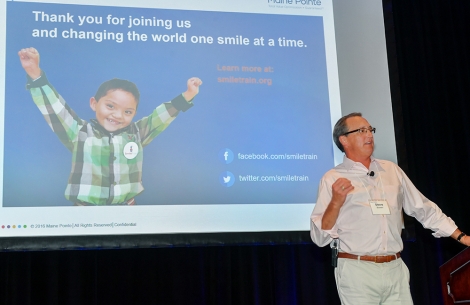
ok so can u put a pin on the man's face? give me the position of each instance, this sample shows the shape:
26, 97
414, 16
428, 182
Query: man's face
115, 110
358, 146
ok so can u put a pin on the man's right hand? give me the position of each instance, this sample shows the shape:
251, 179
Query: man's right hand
340, 190
29, 58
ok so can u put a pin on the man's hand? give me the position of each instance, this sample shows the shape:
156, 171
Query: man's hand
29, 58
340, 190
193, 88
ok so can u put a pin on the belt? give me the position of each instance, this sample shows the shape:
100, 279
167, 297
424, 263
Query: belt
376, 259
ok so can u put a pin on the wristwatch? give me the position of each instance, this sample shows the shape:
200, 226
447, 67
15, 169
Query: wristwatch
460, 236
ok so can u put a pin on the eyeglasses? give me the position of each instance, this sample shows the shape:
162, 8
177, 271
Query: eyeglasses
361, 131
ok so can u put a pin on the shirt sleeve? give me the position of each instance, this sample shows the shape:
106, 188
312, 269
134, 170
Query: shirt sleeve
424, 210
61, 118
152, 125
319, 236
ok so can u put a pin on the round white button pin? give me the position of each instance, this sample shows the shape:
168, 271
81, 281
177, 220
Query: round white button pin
131, 150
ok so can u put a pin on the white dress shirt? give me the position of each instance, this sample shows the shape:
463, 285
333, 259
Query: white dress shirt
359, 231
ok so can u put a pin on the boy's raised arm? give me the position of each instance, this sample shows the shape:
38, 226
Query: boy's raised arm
29, 58
193, 88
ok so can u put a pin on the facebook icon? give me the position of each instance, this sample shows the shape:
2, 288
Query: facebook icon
226, 156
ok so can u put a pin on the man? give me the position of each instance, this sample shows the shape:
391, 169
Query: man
359, 211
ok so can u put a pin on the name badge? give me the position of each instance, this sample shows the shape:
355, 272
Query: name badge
130, 150
379, 207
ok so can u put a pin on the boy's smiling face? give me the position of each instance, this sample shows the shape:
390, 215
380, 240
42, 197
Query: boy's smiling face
115, 110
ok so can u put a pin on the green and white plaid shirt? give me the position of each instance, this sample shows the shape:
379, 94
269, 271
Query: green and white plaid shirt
101, 174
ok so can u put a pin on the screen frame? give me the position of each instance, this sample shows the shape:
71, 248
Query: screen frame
351, 90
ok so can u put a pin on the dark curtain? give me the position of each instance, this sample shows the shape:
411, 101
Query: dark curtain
270, 274
432, 47
430, 91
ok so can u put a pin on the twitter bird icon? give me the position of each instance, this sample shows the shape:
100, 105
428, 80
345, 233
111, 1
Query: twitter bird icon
227, 179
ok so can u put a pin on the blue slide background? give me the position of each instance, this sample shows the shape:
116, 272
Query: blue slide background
182, 165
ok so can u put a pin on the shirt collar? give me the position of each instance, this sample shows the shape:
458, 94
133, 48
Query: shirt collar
349, 164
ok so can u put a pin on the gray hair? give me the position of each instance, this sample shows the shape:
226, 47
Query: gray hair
341, 128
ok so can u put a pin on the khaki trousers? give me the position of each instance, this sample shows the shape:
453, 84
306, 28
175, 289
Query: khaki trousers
364, 283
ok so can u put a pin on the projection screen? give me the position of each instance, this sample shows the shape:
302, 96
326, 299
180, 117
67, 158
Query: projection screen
245, 157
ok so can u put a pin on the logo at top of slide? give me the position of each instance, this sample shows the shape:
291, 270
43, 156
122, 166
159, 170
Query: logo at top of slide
226, 155
227, 179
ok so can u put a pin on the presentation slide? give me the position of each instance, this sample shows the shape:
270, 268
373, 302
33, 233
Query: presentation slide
148, 117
